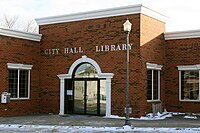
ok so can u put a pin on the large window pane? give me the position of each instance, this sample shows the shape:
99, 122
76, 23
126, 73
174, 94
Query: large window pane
149, 84
23, 84
13, 82
102, 97
155, 84
91, 97
18, 83
86, 70
79, 97
190, 85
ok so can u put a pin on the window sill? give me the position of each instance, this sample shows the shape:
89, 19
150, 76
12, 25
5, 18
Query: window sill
19, 98
189, 100
152, 101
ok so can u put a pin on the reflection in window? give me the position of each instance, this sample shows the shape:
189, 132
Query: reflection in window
102, 97
189, 85
86, 71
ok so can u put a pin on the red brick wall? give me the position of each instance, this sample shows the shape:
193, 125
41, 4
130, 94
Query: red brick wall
180, 52
88, 34
148, 46
15, 50
152, 51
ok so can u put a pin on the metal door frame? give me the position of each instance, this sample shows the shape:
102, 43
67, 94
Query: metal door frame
85, 94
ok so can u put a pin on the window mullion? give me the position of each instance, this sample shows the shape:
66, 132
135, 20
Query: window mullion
29, 83
180, 88
152, 84
158, 85
18, 83
199, 85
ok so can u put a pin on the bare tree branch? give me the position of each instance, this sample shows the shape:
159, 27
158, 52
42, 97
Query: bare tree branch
27, 25
10, 22
30, 26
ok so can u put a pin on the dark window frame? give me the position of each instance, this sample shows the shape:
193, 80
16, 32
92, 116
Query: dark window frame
189, 85
19, 81
153, 85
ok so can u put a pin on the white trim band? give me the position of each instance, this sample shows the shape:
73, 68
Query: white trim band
117, 11
154, 66
19, 66
189, 67
182, 34
20, 34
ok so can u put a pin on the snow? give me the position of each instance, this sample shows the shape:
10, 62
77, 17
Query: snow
150, 116
88, 129
158, 116
178, 113
190, 117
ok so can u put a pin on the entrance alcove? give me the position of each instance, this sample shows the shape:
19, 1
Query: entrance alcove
84, 80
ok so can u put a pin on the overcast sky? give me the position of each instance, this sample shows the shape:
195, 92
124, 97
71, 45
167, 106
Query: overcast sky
181, 14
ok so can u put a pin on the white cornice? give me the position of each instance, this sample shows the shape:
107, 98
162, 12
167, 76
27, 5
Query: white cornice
154, 66
154, 14
189, 67
19, 66
20, 34
118, 11
182, 34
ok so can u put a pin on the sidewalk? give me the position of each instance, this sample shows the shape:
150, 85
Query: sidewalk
95, 121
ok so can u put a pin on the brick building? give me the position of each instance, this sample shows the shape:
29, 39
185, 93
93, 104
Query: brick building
77, 65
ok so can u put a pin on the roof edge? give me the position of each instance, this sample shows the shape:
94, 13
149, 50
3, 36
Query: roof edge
20, 34
182, 34
110, 12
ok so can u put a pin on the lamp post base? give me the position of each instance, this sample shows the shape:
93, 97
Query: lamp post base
127, 122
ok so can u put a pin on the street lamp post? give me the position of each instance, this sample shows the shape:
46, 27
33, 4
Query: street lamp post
127, 29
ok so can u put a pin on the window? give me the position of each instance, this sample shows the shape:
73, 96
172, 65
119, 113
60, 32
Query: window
189, 83
19, 80
86, 70
153, 82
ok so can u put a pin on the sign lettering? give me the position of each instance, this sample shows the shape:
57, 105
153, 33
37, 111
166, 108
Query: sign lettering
75, 50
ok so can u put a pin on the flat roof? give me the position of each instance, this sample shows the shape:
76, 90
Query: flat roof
110, 12
182, 34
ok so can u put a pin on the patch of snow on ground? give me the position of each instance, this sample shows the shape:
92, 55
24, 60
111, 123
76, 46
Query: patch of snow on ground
158, 116
87, 129
190, 117
187, 116
150, 116
178, 113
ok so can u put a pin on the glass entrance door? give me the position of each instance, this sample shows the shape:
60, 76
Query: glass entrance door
85, 97
85, 93
79, 97
91, 97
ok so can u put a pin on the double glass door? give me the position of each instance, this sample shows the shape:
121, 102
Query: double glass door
85, 92
86, 97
